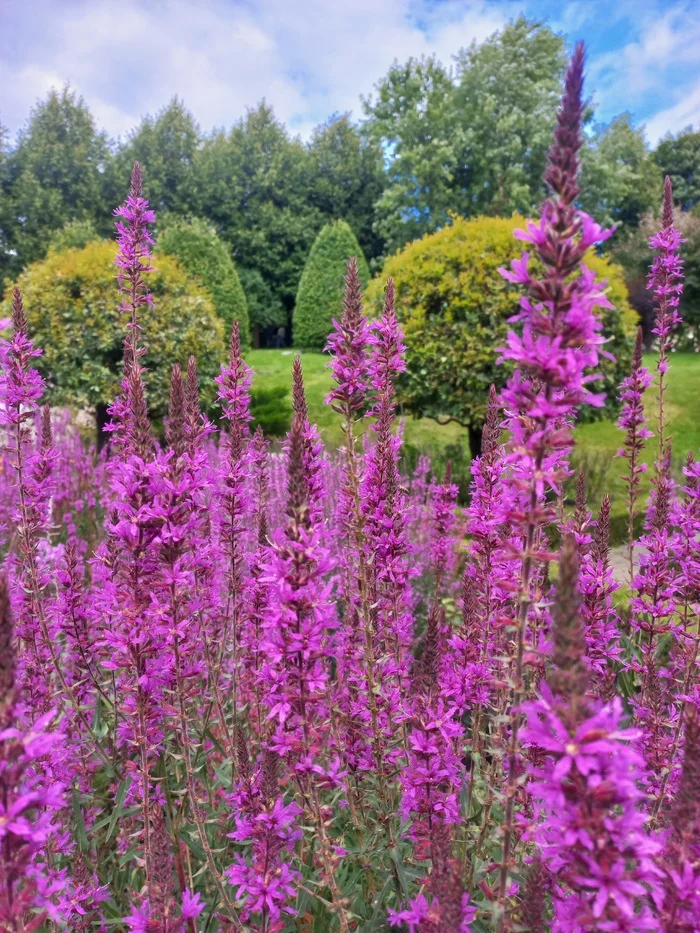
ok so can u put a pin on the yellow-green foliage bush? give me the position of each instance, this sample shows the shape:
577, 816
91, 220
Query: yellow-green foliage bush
454, 306
73, 314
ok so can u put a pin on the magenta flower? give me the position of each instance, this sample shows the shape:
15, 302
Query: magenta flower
633, 421
555, 357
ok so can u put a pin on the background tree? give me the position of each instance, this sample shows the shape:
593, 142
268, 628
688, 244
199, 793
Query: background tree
633, 255
165, 145
679, 157
73, 315
5, 211
455, 305
412, 118
346, 178
198, 249
320, 295
474, 141
55, 173
74, 235
507, 94
620, 180
251, 183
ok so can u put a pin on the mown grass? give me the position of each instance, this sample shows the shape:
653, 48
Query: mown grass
274, 367
596, 444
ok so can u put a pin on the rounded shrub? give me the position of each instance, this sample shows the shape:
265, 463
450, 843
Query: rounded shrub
454, 306
199, 250
74, 235
320, 294
73, 314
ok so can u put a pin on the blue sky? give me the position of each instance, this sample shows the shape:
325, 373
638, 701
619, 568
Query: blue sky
311, 58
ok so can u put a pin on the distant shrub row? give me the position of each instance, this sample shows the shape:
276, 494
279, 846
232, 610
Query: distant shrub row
453, 304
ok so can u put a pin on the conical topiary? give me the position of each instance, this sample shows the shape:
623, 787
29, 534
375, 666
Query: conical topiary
199, 250
320, 292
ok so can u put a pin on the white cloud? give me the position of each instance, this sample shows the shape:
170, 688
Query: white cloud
673, 119
308, 58
640, 73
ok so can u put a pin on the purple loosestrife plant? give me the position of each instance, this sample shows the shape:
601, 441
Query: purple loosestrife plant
633, 422
350, 367
687, 635
554, 357
32, 460
387, 546
490, 566
588, 822
597, 585
666, 285
298, 622
234, 398
28, 803
134, 644
264, 880
681, 857
258, 594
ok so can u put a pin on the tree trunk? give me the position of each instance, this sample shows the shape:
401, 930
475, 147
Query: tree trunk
475, 441
101, 420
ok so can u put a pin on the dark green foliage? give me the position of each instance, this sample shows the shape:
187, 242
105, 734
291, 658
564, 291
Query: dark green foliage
165, 147
74, 235
619, 179
346, 178
54, 174
199, 250
320, 295
679, 157
272, 410
265, 307
252, 183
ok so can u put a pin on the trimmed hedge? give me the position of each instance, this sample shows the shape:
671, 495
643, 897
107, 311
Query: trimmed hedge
199, 250
320, 294
454, 306
73, 314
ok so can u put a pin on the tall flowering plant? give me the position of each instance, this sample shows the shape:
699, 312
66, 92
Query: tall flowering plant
555, 357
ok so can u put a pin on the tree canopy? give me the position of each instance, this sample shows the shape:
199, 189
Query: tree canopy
54, 174
679, 157
470, 138
620, 181
472, 141
165, 146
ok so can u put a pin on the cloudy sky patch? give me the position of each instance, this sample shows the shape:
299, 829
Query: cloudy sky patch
312, 58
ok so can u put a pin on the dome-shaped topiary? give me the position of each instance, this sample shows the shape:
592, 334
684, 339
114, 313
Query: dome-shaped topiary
73, 314
197, 248
320, 293
454, 306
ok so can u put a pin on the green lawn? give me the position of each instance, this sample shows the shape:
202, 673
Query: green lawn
596, 443
274, 368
